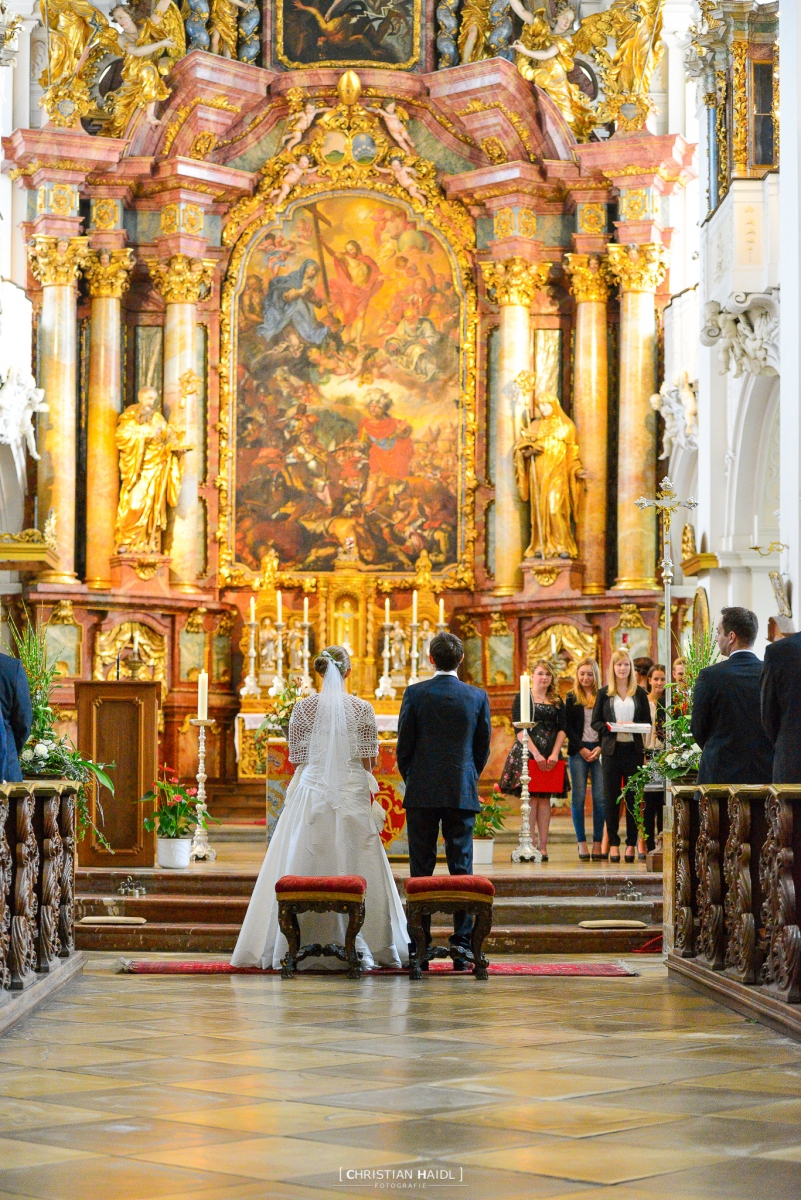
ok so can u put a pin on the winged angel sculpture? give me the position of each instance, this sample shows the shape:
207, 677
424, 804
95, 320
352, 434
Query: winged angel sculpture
609, 55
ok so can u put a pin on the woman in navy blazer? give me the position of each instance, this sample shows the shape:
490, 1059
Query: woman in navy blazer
622, 700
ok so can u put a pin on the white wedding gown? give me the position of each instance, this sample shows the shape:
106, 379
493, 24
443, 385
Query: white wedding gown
326, 828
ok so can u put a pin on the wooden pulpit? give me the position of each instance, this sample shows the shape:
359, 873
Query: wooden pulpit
118, 723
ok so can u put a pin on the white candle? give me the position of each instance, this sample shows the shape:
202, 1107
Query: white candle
441, 611
136, 643
253, 610
203, 696
414, 608
279, 608
553, 645
386, 611
305, 610
525, 698
756, 531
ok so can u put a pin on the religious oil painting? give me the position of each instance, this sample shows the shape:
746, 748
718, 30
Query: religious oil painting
347, 408
379, 33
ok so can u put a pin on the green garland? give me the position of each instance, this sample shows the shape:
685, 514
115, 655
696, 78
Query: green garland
44, 754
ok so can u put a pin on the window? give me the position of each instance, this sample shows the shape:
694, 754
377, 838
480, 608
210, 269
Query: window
762, 150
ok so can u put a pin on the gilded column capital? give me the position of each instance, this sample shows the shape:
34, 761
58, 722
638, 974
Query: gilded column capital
515, 280
56, 260
108, 273
638, 268
588, 275
181, 279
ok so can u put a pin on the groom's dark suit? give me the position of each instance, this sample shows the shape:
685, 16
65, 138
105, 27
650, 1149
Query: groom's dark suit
443, 746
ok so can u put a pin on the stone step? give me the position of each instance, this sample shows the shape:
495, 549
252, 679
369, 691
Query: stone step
221, 938
507, 910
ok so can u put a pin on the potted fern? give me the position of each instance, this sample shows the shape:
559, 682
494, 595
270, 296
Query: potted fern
45, 755
489, 820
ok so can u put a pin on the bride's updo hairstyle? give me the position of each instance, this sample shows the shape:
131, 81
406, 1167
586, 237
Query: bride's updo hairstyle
337, 655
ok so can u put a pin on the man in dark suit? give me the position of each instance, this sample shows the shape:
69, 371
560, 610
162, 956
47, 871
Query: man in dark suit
443, 746
725, 717
16, 715
781, 706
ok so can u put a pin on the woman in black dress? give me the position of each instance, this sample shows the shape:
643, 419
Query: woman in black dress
546, 738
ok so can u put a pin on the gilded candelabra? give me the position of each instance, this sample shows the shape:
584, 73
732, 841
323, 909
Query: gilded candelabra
414, 654
200, 841
525, 850
385, 690
278, 682
251, 685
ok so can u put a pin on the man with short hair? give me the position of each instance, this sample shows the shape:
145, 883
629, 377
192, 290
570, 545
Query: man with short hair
443, 746
725, 707
781, 706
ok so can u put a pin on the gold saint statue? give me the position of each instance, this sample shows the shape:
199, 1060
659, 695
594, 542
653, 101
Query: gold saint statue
474, 30
142, 85
72, 25
548, 471
151, 466
224, 26
545, 57
638, 36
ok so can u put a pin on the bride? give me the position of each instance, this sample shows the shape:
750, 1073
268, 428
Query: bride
326, 828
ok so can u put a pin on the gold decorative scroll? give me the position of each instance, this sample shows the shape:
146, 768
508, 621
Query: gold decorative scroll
739, 117
572, 641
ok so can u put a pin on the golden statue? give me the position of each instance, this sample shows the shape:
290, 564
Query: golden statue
549, 474
73, 27
224, 26
637, 30
545, 57
474, 30
151, 466
142, 85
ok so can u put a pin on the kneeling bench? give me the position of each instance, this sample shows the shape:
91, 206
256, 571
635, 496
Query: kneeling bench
326, 893
449, 893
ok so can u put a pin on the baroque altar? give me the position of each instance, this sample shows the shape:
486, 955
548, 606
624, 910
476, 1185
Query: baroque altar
358, 310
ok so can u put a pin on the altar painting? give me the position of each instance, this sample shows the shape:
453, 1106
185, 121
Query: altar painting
348, 386
348, 32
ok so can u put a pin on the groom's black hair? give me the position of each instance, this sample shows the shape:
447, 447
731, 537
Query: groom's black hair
447, 651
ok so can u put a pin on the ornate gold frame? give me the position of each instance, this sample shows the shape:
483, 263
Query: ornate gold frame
356, 62
450, 223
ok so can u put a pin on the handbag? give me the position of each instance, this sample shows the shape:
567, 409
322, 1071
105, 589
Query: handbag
509, 782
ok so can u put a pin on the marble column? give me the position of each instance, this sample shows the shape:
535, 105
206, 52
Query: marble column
639, 270
182, 282
55, 263
589, 284
512, 283
108, 275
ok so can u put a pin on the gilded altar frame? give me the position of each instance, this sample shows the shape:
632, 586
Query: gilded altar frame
450, 224
344, 64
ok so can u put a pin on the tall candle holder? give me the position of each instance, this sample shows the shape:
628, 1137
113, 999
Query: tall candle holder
385, 690
135, 665
525, 850
306, 678
251, 686
278, 682
200, 840
414, 654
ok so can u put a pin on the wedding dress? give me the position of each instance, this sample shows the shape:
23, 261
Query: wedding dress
326, 828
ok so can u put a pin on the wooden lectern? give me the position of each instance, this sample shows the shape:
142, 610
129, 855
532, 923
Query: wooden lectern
118, 723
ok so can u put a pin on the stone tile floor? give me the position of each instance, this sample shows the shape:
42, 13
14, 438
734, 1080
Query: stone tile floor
240, 1088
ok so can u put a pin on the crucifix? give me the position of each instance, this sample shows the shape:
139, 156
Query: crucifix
666, 504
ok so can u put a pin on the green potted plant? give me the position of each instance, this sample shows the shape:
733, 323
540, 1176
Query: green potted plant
174, 819
489, 820
45, 755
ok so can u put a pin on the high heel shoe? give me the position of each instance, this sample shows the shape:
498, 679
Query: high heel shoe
614, 858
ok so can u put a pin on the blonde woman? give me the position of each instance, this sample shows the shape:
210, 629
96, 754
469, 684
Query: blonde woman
547, 736
622, 701
584, 757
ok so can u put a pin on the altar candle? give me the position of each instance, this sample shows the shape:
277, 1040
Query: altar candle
279, 608
203, 696
441, 611
305, 610
553, 645
756, 531
136, 643
525, 698
253, 610
414, 608
386, 611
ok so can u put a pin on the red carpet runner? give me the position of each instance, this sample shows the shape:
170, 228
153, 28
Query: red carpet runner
198, 967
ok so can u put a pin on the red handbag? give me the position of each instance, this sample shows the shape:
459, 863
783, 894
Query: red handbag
552, 782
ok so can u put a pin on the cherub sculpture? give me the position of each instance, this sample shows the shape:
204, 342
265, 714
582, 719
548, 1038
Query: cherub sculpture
300, 120
395, 119
406, 176
294, 174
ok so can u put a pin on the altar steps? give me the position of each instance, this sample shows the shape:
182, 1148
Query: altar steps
203, 912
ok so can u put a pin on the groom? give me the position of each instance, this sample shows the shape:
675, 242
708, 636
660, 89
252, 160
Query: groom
443, 746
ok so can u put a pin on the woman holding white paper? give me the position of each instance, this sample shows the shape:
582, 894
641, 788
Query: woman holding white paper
622, 702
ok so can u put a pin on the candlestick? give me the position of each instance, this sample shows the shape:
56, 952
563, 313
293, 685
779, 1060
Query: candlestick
252, 610
756, 530
203, 696
251, 686
385, 690
413, 677
279, 608
525, 850
414, 608
277, 684
442, 612
306, 682
386, 611
200, 840
553, 645
306, 609
136, 643
525, 697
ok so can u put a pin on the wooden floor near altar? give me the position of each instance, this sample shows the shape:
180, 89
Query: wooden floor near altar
240, 1088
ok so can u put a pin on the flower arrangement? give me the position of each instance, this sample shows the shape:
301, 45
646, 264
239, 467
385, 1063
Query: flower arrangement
279, 711
176, 814
45, 755
491, 817
681, 755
